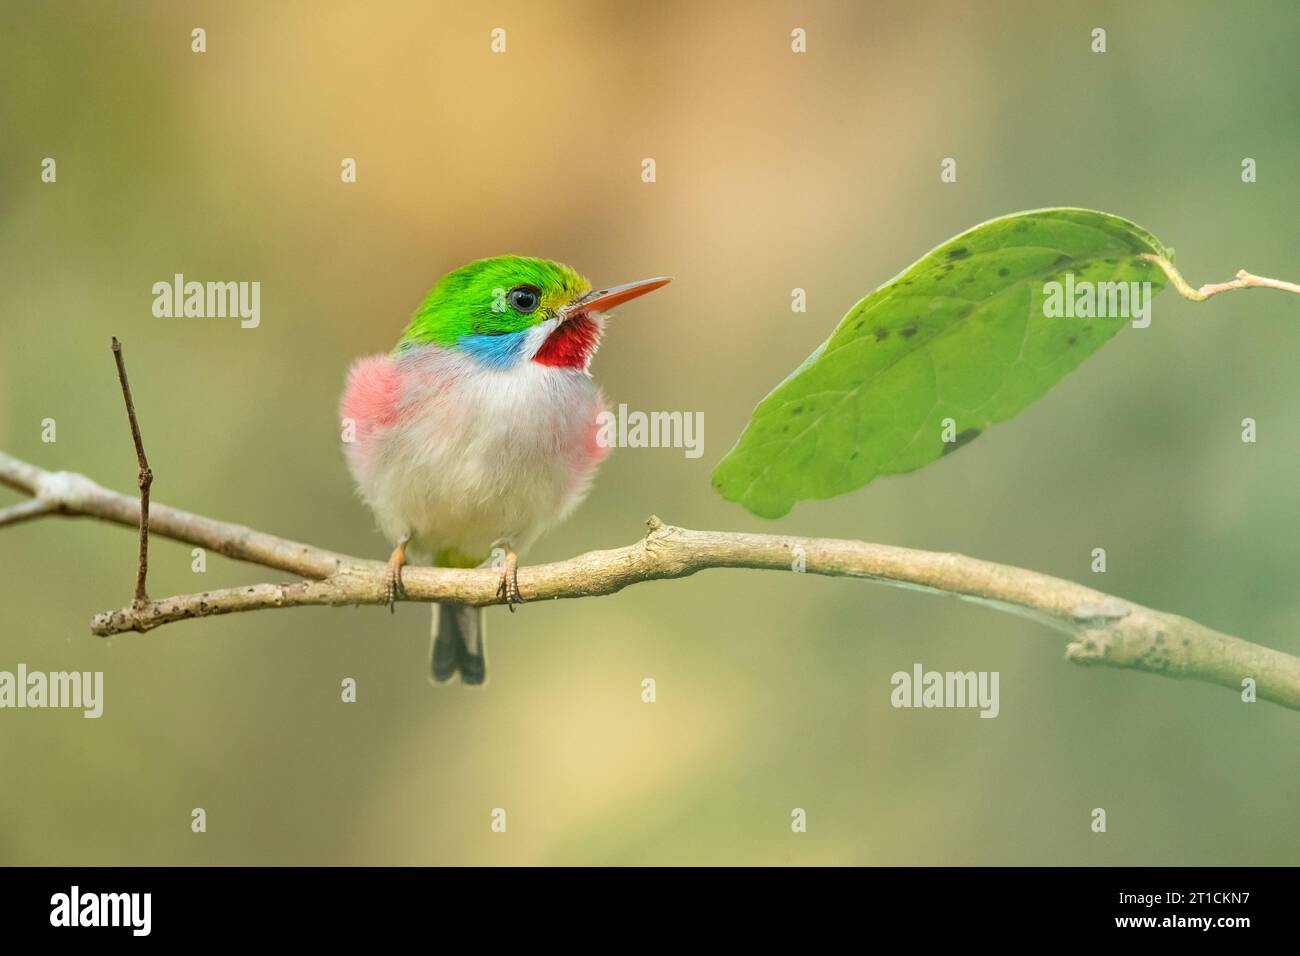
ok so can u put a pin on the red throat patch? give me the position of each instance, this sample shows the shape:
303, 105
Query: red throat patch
570, 345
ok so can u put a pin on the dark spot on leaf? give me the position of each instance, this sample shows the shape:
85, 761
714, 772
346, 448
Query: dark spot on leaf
1072, 339
963, 438
948, 267
858, 324
1061, 260
882, 334
959, 253
1112, 262
965, 311
797, 410
855, 454
907, 332
1004, 271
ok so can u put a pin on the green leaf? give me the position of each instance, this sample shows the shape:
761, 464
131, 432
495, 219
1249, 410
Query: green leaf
961, 335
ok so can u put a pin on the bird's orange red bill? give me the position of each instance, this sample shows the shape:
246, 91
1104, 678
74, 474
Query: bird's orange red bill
602, 300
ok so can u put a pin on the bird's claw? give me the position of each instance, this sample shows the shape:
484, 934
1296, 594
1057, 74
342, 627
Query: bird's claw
393, 588
508, 589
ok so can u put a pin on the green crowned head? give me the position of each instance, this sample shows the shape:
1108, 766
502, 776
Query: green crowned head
504, 295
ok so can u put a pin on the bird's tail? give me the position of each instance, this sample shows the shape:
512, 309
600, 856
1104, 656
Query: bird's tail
458, 644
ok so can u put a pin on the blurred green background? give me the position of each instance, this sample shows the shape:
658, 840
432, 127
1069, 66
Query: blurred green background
775, 171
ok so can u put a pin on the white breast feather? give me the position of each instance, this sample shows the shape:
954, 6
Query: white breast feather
482, 454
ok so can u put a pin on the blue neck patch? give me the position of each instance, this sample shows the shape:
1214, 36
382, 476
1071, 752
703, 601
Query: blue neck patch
495, 351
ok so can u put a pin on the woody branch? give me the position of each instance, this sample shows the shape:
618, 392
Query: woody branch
1102, 629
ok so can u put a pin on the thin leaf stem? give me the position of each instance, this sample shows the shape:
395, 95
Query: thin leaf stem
1244, 280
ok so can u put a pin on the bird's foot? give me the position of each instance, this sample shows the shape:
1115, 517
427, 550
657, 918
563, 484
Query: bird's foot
508, 589
393, 576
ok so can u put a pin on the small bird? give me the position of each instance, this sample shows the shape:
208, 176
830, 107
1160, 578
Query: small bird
478, 432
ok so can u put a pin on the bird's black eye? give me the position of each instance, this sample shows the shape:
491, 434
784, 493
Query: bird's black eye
525, 299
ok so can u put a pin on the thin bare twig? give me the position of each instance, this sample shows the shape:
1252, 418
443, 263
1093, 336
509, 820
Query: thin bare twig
25, 511
1244, 280
145, 479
